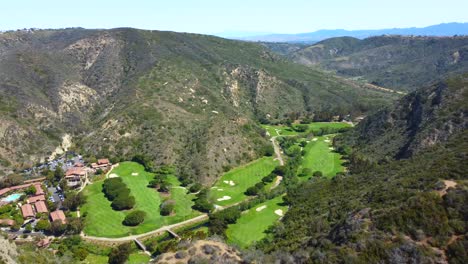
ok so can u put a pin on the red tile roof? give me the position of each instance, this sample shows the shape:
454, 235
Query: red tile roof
7, 222
4, 190
58, 215
103, 161
75, 171
39, 190
36, 198
27, 210
41, 207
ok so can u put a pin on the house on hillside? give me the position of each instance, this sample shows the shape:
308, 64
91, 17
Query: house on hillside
102, 164
58, 215
75, 175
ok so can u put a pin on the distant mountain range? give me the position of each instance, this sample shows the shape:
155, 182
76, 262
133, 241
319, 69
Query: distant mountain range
445, 29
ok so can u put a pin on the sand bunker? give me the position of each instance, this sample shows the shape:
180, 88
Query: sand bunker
219, 189
224, 198
113, 175
135, 174
229, 182
314, 139
279, 212
261, 208
327, 140
331, 148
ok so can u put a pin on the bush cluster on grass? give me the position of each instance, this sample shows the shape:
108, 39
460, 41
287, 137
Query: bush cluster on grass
134, 218
117, 192
167, 207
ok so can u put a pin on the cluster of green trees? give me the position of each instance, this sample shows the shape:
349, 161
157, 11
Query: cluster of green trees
202, 202
134, 218
160, 179
116, 191
167, 207
73, 225
73, 200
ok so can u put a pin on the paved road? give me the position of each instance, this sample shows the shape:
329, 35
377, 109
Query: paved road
199, 218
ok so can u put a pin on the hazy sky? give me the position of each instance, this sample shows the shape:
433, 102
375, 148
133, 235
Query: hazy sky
215, 16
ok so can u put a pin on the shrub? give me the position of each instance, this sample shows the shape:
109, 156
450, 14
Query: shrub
120, 254
42, 225
123, 202
134, 218
317, 174
195, 187
167, 207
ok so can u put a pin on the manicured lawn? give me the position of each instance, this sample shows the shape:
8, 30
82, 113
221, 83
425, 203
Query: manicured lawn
252, 224
279, 130
319, 157
102, 221
287, 131
134, 258
138, 258
318, 125
243, 178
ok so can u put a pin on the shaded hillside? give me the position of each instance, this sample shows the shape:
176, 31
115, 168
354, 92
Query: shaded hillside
402, 63
398, 211
419, 120
183, 99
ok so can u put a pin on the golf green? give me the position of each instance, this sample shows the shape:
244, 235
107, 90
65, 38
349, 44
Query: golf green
319, 156
230, 188
251, 226
103, 221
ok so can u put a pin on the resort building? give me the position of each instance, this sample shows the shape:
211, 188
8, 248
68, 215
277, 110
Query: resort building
58, 215
36, 198
27, 211
41, 207
101, 164
75, 175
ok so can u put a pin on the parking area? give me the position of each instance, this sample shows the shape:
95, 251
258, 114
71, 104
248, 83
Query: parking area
56, 196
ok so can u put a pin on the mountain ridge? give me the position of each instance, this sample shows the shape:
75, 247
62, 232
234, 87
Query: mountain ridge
444, 29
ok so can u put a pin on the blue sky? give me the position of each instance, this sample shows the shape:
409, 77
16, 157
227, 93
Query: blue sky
216, 16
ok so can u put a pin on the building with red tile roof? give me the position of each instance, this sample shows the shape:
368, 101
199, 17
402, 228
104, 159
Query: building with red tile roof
7, 222
74, 176
27, 211
39, 189
101, 164
58, 215
36, 198
41, 207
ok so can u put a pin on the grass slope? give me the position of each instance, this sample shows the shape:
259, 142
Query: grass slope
99, 211
319, 157
251, 225
243, 178
288, 131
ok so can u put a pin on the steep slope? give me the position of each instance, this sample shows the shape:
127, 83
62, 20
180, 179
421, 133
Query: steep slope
397, 62
420, 120
409, 210
183, 99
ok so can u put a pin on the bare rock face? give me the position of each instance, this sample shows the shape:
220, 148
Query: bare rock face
202, 251
8, 252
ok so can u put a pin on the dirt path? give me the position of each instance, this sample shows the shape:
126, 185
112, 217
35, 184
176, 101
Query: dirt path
448, 184
159, 230
277, 151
